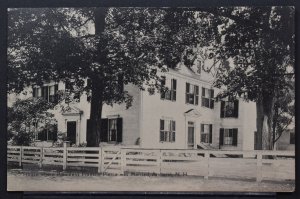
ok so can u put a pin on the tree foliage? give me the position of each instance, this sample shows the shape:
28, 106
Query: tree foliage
24, 116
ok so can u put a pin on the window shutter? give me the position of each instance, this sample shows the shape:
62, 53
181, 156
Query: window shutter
196, 99
173, 136
163, 83
234, 137
203, 92
55, 93
46, 93
212, 103
221, 138
222, 109
161, 138
173, 126
202, 128
196, 89
119, 129
104, 130
187, 88
211, 93
34, 94
89, 136
43, 92
162, 124
174, 87
210, 133
236, 108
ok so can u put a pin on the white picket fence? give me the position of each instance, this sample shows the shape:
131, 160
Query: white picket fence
261, 165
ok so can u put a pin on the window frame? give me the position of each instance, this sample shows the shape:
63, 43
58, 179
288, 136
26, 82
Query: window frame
207, 135
169, 92
191, 95
210, 99
224, 109
167, 135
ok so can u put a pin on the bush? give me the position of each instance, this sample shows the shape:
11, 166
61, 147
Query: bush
21, 138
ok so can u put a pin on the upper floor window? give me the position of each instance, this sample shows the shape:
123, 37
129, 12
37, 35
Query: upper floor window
170, 93
71, 93
206, 133
167, 131
192, 94
208, 98
228, 136
229, 109
49, 93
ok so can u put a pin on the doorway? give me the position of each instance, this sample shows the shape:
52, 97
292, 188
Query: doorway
191, 135
71, 132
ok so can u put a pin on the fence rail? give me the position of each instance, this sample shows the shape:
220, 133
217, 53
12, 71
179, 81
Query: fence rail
261, 165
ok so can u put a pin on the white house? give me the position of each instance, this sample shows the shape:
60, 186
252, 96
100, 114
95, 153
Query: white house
186, 116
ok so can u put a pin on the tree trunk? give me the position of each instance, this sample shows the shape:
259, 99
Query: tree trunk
95, 115
97, 86
265, 112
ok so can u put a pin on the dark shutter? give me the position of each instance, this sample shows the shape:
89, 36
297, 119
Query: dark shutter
221, 138
222, 115
234, 137
212, 104
104, 130
119, 129
43, 92
46, 92
34, 94
196, 89
162, 123
236, 108
163, 83
210, 133
187, 88
174, 87
211, 100
203, 92
55, 93
89, 137
202, 128
211, 93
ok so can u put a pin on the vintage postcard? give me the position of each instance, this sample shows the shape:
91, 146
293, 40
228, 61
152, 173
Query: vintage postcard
151, 99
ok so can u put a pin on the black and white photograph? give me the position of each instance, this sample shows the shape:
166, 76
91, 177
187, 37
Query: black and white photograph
185, 99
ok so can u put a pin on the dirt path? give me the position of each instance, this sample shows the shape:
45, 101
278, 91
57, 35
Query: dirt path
20, 181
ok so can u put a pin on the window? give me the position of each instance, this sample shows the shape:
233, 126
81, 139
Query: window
49, 93
71, 93
167, 131
228, 136
49, 133
170, 93
292, 138
112, 130
192, 94
229, 109
207, 98
206, 133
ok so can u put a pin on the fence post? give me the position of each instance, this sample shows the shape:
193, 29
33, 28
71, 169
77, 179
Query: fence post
20, 158
259, 167
100, 159
41, 157
206, 158
123, 160
159, 154
65, 156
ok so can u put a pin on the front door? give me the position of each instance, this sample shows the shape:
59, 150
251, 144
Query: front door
191, 133
71, 132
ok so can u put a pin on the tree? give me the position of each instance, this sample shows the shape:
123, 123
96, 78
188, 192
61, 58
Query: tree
128, 46
24, 116
261, 44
